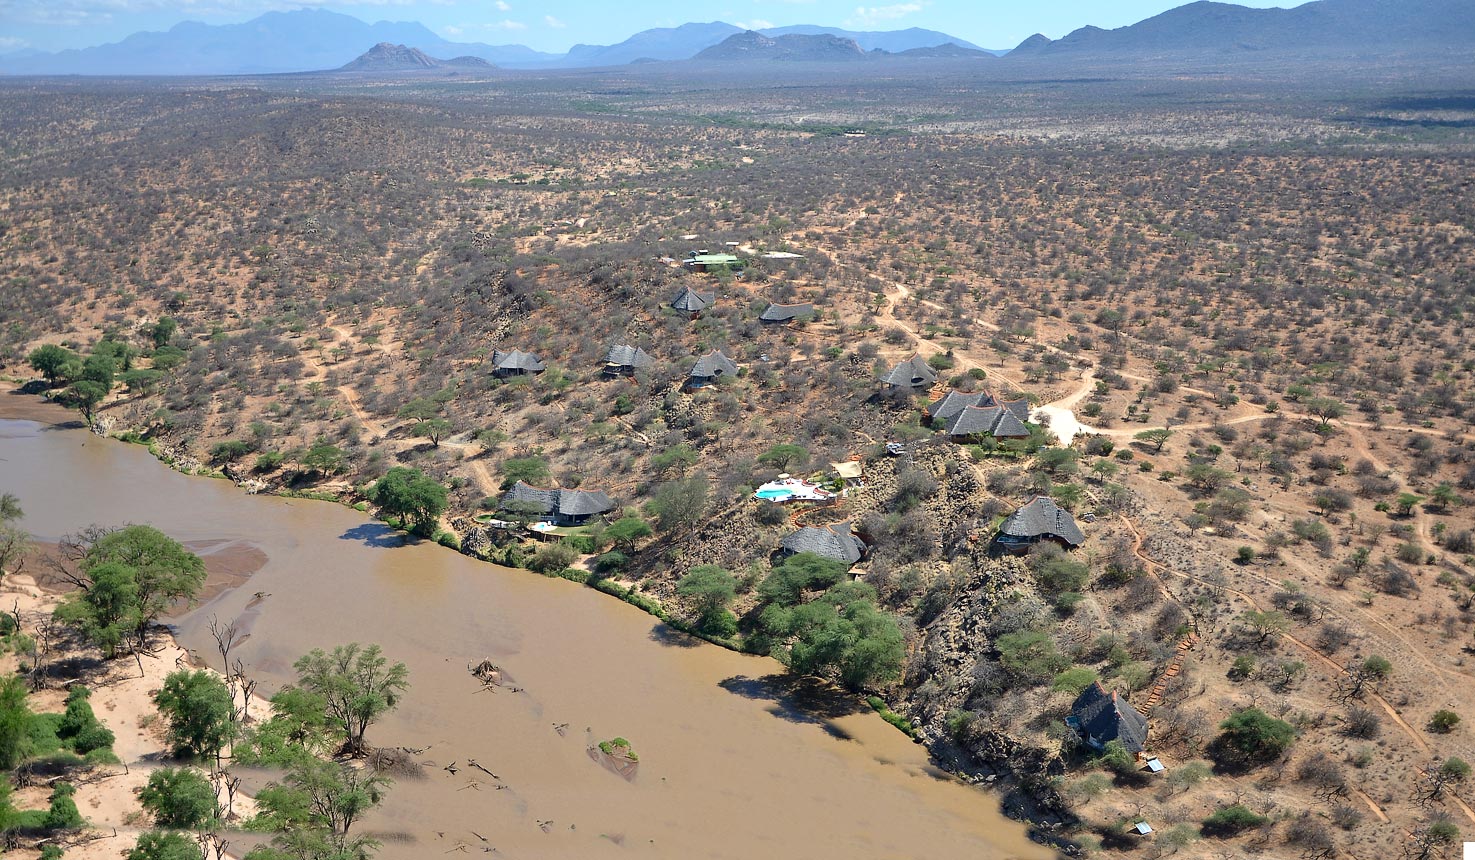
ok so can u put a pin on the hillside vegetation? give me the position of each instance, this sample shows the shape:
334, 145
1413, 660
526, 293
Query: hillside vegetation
1258, 305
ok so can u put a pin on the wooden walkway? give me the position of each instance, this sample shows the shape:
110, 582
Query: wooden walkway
1175, 666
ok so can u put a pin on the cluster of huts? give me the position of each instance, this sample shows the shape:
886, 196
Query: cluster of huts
964, 417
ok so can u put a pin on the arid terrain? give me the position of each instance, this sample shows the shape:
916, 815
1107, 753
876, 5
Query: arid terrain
1278, 277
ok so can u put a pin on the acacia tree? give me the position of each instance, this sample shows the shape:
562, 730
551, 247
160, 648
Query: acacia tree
1157, 438
51, 361
313, 808
126, 578
357, 686
15, 541
199, 709
711, 589
411, 495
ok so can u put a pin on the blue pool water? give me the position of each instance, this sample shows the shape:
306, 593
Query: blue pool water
773, 494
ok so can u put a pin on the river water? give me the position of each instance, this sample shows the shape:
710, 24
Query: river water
731, 765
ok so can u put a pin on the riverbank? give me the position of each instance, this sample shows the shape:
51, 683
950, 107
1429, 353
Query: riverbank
122, 699
578, 660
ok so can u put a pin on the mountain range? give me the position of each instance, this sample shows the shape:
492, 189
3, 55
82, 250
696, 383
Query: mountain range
1200, 33
316, 39
1345, 27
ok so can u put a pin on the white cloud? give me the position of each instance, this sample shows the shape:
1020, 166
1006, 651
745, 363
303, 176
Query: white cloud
870, 16
755, 24
508, 24
453, 31
553, 22
11, 43
503, 6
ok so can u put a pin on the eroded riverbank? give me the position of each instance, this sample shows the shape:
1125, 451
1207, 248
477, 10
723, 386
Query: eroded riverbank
730, 765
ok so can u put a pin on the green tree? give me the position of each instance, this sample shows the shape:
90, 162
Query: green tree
1406, 502
1230, 820
298, 728
678, 505
100, 369
412, 496
1030, 655
1432, 840
199, 710
1264, 625
109, 612
530, 470
1443, 496
15, 722
15, 542
433, 429
784, 455
801, 572
678, 458
322, 458
84, 395
180, 798
163, 331
127, 578
165, 845
1059, 461
79, 727
420, 409
1251, 737
357, 686
842, 631
142, 380
1073, 680
1157, 438
121, 353
51, 360
626, 531
711, 589
1326, 409
1068, 495
314, 807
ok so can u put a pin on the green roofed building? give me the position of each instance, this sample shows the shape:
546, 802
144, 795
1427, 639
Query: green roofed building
714, 263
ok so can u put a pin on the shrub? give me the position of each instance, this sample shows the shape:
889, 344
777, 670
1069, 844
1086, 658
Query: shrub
179, 798
553, 557
1251, 737
166, 845
1362, 723
1231, 820
62, 814
1444, 722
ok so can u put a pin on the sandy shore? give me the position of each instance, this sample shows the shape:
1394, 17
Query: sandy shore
122, 698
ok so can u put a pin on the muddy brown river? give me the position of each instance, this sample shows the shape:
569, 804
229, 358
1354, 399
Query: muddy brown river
731, 765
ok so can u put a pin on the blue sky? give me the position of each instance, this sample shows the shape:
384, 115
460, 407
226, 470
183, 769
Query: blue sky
554, 25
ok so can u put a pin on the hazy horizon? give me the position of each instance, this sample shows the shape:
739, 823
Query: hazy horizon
554, 26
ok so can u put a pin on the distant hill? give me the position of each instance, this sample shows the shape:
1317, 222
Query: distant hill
662, 43
304, 40
946, 52
1199, 34
893, 41
313, 40
1319, 28
791, 48
385, 57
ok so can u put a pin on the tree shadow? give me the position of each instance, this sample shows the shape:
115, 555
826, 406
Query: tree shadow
376, 535
798, 699
668, 635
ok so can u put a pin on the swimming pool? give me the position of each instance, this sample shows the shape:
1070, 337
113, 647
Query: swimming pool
773, 495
